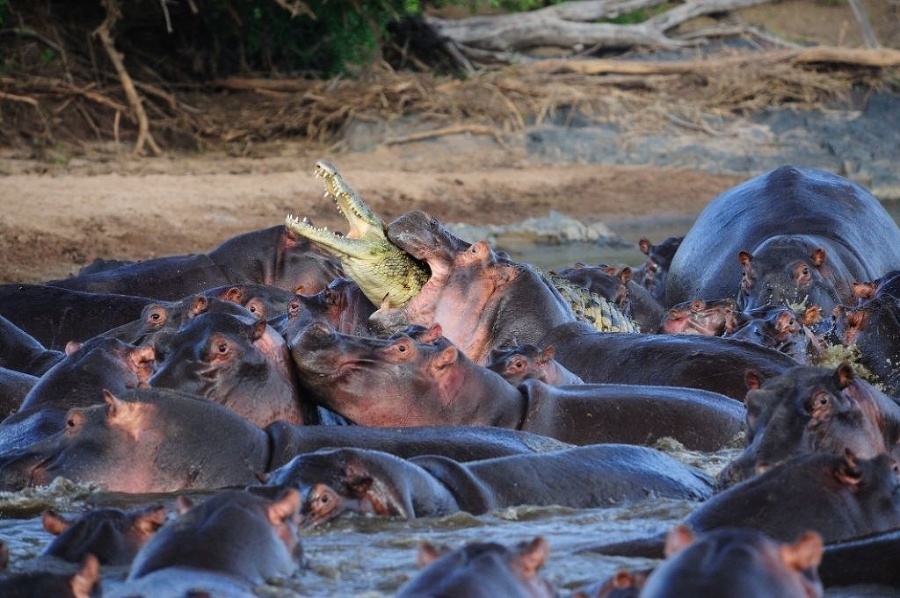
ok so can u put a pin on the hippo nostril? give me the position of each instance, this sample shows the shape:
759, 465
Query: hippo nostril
762, 467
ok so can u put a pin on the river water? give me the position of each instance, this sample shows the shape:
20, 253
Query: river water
373, 557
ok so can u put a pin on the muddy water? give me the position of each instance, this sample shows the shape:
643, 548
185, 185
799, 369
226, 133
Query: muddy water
370, 558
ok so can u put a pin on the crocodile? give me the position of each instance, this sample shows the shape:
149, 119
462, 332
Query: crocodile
387, 275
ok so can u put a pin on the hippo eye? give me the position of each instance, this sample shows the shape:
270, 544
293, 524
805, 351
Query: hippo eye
154, 317
821, 400
222, 348
71, 423
401, 348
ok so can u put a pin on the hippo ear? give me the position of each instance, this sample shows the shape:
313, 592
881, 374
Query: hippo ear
818, 257
123, 414
83, 582
622, 579
844, 375
548, 354
444, 359
285, 507
149, 522
532, 557
432, 334
625, 275
428, 553
258, 329
72, 346
863, 290
234, 295
646, 246
183, 504
4, 556
54, 522
679, 538
752, 379
812, 315
806, 553
744, 257
199, 305
847, 472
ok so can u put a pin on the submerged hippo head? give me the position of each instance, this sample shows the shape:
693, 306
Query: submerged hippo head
236, 533
739, 563
113, 535
482, 570
810, 409
788, 271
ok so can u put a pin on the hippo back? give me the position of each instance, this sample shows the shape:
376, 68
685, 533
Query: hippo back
849, 221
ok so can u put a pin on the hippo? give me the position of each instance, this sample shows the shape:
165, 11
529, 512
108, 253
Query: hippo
83, 583
174, 449
704, 362
244, 366
113, 535
14, 387
407, 381
866, 560
655, 269
782, 329
265, 302
342, 305
873, 327
146, 440
79, 380
54, 316
22, 352
233, 538
710, 318
738, 563
790, 236
159, 321
337, 481
624, 583
481, 301
811, 409
838, 496
481, 570
273, 256
524, 362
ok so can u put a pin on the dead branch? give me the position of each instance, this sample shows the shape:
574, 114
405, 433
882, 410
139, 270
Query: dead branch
573, 25
451, 130
882, 57
104, 32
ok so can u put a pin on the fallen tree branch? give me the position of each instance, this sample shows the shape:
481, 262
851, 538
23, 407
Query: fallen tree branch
573, 25
104, 32
882, 57
451, 130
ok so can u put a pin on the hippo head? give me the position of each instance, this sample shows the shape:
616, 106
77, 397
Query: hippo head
342, 305
786, 272
709, 318
736, 562
113, 535
874, 329
334, 482
806, 409
656, 268
480, 570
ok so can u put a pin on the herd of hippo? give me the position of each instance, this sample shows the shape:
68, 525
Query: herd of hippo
298, 376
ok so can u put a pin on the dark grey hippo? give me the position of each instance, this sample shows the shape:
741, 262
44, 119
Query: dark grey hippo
801, 235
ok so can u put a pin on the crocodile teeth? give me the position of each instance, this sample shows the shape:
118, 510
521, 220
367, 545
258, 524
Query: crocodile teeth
305, 220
